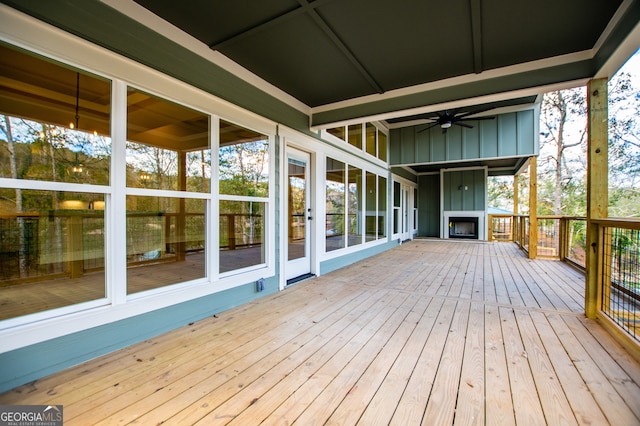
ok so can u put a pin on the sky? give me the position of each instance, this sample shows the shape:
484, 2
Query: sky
632, 66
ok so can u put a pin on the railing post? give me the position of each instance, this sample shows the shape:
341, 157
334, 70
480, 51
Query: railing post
597, 184
490, 228
563, 239
516, 208
76, 250
231, 230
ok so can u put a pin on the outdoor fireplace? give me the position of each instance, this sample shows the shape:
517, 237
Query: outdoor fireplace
463, 227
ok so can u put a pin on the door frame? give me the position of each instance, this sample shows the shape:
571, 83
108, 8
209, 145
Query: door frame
407, 194
292, 140
406, 223
304, 263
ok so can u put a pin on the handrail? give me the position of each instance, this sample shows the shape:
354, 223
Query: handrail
619, 222
561, 240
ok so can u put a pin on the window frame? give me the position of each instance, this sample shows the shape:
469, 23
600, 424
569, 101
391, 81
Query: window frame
362, 150
378, 173
54, 44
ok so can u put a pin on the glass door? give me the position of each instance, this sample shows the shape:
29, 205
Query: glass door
298, 212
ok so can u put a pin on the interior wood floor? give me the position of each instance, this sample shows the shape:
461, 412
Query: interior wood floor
46, 294
432, 332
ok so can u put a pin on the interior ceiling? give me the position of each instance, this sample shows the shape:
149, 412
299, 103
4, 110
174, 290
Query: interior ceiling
328, 52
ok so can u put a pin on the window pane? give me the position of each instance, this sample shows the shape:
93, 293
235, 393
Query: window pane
355, 206
167, 145
56, 121
382, 207
338, 132
244, 161
382, 146
335, 195
355, 135
415, 209
242, 234
396, 207
165, 241
297, 209
371, 204
371, 139
396, 220
51, 250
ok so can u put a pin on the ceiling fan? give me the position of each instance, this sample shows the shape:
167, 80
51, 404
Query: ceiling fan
447, 119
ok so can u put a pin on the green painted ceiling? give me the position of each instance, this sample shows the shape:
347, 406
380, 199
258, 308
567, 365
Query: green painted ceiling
326, 51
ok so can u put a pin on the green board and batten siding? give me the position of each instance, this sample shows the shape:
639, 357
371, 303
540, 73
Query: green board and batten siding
429, 205
509, 135
464, 190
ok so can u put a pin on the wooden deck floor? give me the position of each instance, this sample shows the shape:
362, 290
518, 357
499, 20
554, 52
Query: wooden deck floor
432, 332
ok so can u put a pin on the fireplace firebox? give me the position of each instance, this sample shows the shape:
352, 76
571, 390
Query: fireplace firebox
463, 227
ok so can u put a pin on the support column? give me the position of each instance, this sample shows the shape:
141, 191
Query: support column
533, 207
516, 195
597, 183
516, 208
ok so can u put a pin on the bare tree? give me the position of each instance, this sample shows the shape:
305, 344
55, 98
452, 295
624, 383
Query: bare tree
22, 258
563, 126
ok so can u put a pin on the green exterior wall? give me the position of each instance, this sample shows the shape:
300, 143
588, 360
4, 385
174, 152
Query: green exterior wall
464, 190
429, 205
509, 135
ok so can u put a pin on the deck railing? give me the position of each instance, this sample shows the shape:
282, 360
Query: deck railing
35, 246
564, 238
619, 273
559, 237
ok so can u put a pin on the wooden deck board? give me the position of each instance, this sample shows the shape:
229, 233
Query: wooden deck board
470, 403
526, 404
431, 332
557, 410
499, 404
584, 407
611, 403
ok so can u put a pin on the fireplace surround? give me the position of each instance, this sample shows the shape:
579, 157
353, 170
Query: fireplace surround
464, 225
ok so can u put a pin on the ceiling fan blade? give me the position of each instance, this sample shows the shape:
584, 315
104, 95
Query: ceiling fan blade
459, 123
429, 127
437, 118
